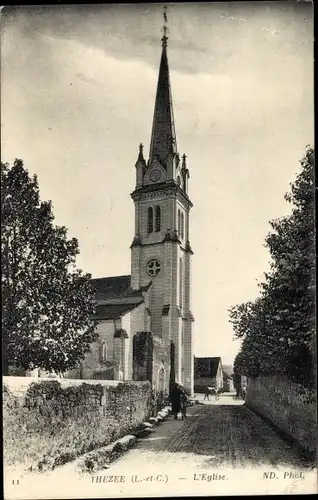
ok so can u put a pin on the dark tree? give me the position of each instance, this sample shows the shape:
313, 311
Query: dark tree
278, 328
46, 302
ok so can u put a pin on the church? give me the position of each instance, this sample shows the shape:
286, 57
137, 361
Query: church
144, 320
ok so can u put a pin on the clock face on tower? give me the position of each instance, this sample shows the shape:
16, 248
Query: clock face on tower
155, 175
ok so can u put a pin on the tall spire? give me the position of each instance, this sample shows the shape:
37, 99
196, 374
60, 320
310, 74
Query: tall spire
163, 137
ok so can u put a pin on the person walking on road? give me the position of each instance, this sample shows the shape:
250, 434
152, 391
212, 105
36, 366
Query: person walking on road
207, 394
175, 398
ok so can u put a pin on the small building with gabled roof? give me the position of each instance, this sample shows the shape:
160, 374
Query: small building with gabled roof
208, 372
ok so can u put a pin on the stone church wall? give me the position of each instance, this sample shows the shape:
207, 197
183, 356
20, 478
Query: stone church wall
157, 288
150, 356
47, 423
92, 365
165, 204
290, 407
161, 359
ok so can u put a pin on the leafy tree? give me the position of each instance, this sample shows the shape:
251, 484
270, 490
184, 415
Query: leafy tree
278, 328
46, 302
236, 376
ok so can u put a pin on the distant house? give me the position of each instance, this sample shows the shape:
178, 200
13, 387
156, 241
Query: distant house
228, 384
208, 372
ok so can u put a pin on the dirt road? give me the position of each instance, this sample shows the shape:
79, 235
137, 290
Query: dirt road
223, 433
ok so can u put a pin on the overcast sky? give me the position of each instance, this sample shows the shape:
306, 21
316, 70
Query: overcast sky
77, 96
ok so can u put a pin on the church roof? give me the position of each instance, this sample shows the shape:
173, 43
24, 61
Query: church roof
117, 287
163, 136
113, 311
115, 297
111, 287
207, 367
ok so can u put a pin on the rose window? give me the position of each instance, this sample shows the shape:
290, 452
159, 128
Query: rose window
153, 267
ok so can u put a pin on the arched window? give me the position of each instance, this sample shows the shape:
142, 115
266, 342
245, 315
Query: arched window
179, 222
182, 225
180, 282
103, 352
158, 219
150, 220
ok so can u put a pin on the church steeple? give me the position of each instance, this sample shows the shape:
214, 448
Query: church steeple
163, 137
160, 251
164, 167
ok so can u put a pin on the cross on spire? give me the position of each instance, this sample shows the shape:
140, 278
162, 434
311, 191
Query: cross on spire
165, 27
141, 149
